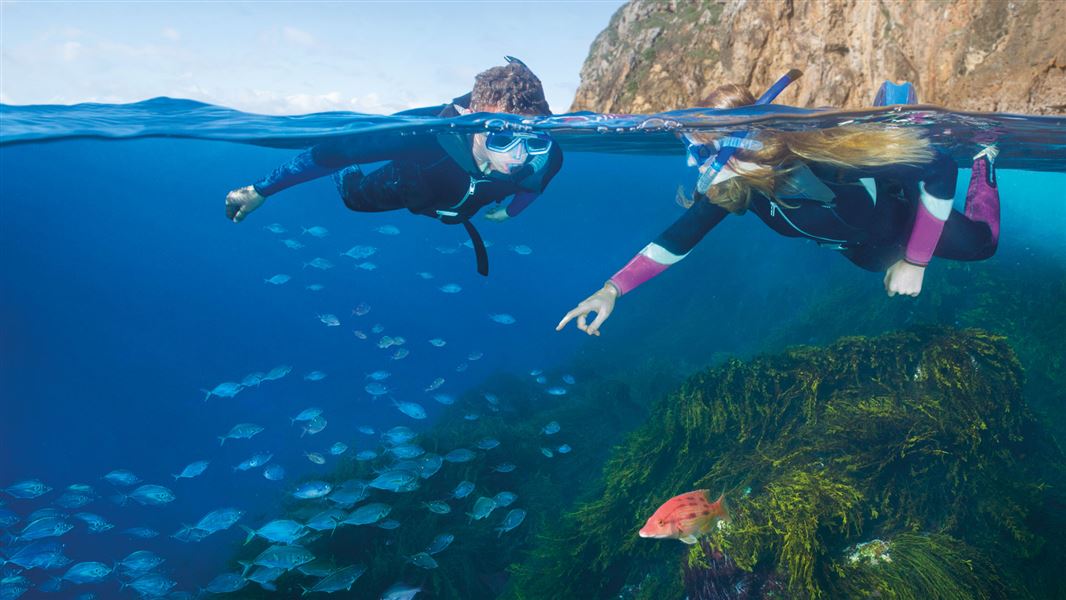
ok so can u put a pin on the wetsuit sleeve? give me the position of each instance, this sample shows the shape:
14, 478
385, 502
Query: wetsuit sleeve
671, 246
937, 186
337, 153
520, 202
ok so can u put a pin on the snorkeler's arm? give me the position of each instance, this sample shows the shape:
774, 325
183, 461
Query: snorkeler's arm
337, 153
518, 203
533, 188
937, 191
937, 187
670, 247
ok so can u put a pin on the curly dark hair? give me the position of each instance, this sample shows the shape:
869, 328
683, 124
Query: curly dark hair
512, 89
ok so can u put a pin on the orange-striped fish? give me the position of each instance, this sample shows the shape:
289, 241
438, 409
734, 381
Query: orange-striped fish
686, 517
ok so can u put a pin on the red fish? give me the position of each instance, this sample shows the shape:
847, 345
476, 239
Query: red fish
686, 517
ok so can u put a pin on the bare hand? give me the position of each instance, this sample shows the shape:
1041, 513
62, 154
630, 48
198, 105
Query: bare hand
241, 202
601, 303
904, 278
498, 214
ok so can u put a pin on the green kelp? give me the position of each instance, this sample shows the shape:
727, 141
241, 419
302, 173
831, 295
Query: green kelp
918, 438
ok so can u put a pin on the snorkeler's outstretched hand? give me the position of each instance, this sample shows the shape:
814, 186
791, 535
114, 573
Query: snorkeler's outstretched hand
601, 303
241, 202
498, 214
904, 279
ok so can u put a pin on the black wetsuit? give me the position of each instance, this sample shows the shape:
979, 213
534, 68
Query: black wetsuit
429, 174
873, 235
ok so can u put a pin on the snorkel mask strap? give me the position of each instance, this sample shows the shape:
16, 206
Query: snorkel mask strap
729, 145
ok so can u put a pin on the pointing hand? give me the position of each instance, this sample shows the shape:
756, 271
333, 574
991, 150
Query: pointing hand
601, 303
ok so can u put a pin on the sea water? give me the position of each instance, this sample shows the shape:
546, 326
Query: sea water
125, 292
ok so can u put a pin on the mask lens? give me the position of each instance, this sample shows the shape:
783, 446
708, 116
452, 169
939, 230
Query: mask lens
537, 145
500, 142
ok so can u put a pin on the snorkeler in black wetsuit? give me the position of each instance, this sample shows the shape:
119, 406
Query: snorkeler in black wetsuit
448, 176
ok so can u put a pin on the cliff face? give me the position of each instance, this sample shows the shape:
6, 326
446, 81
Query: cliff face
971, 55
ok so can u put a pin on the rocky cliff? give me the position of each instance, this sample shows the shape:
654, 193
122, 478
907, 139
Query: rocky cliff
971, 55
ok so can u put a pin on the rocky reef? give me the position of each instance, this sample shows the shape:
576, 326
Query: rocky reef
904, 466
976, 55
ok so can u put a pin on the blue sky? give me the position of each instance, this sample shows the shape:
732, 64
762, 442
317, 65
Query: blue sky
287, 57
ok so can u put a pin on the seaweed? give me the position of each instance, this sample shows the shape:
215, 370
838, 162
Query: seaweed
919, 436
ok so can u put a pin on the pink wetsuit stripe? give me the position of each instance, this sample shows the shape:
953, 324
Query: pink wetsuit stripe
924, 236
636, 272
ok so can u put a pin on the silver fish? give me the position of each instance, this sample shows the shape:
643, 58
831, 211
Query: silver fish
327, 519
329, 319
487, 443
279, 279
151, 585
360, 252
341, 579
438, 507
219, 520
44, 527
152, 495
405, 451
316, 231
282, 557
140, 562
240, 431
513, 519
460, 455
395, 480
504, 499
280, 531
227, 389
274, 472
411, 409
193, 469
483, 507
463, 489
312, 489
551, 428
226, 583
368, 514
96, 523
277, 373
440, 543
87, 572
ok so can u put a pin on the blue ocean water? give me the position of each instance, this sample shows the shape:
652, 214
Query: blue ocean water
125, 291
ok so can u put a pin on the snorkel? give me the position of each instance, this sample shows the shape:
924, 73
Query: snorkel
727, 146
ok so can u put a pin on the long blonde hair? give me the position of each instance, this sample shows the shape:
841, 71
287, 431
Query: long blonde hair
848, 146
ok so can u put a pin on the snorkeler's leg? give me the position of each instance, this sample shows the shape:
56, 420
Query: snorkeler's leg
982, 197
974, 235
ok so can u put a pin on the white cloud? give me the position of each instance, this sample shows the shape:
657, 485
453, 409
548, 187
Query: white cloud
70, 50
297, 36
171, 34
